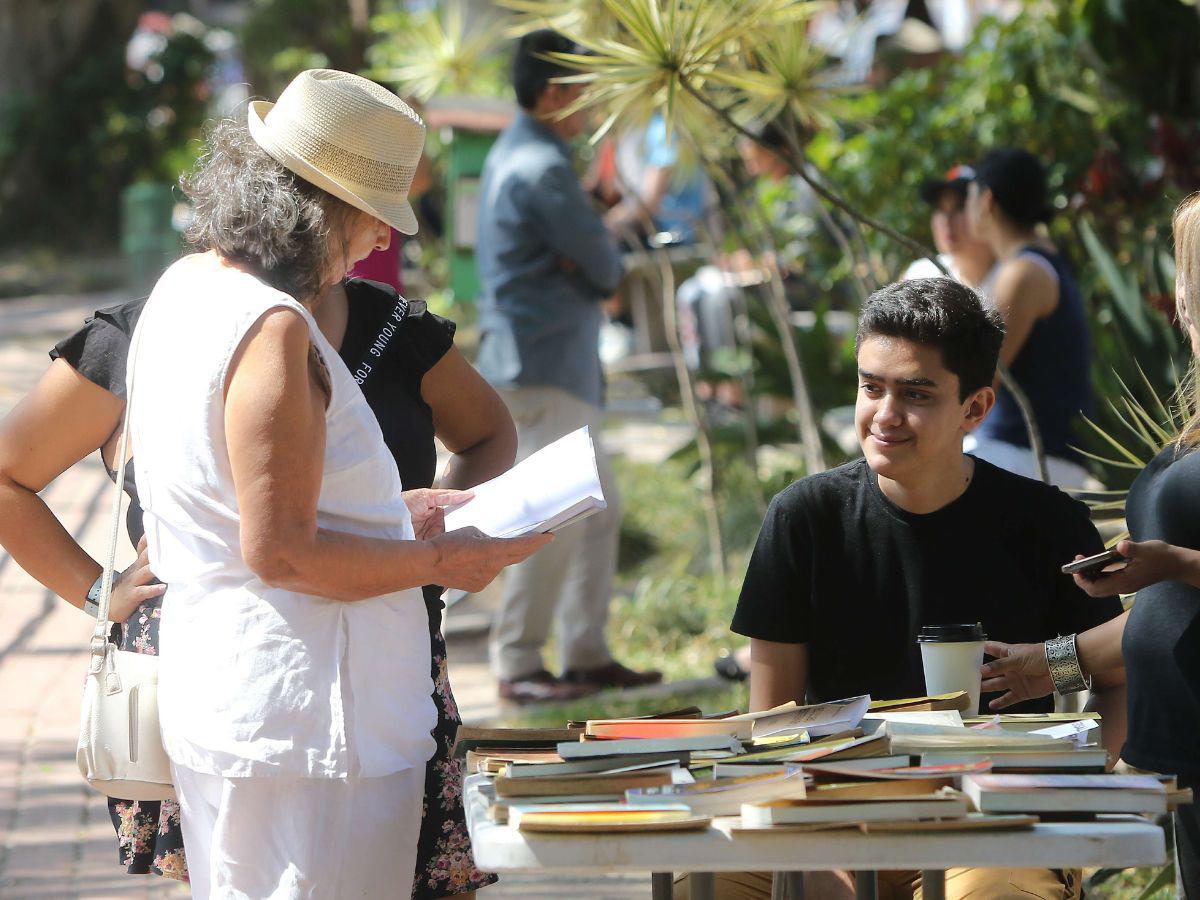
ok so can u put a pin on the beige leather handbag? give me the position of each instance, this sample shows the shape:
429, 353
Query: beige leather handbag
120, 750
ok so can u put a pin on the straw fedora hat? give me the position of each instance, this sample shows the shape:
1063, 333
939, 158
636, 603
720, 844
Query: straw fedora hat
348, 136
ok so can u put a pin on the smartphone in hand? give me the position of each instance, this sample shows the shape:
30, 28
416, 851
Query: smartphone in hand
1094, 566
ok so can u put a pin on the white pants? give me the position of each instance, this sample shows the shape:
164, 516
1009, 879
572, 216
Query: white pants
570, 579
1019, 460
290, 838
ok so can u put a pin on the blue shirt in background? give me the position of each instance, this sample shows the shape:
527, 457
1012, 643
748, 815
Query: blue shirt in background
545, 262
683, 206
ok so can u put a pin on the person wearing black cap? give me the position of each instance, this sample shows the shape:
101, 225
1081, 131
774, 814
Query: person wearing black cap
1048, 345
965, 257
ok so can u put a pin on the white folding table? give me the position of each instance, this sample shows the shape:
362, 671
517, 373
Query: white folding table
1112, 842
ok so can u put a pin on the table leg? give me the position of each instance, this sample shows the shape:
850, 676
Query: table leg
661, 885
703, 886
933, 884
866, 885
787, 886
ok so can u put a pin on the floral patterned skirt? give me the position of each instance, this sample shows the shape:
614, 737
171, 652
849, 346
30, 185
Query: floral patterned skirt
150, 839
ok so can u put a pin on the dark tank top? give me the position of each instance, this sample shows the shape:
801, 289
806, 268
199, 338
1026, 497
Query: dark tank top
1054, 370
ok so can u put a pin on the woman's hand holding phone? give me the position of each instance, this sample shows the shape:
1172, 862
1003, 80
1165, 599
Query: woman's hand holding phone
1147, 563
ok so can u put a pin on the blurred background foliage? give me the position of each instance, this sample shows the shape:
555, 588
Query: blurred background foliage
1119, 126
1107, 91
90, 124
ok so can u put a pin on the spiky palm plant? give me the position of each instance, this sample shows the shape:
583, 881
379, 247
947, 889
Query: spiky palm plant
440, 50
1147, 430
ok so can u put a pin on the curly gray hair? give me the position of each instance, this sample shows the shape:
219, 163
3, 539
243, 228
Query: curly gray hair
253, 211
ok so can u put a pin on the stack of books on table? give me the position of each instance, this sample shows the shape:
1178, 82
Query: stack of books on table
891, 765
575, 781
1038, 746
896, 800
487, 749
612, 775
1066, 796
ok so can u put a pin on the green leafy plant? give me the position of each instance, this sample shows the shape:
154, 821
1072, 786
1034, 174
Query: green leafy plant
438, 51
1138, 365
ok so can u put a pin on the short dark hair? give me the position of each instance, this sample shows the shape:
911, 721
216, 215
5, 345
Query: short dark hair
938, 312
531, 71
774, 136
1017, 180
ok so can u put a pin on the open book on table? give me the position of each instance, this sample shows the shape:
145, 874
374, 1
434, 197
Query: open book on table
554, 487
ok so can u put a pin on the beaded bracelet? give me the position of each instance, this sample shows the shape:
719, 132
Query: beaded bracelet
1065, 671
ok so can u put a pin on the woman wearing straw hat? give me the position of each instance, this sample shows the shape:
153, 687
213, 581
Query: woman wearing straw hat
294, 679
419, 387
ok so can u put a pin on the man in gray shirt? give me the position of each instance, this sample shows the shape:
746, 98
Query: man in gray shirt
546, 263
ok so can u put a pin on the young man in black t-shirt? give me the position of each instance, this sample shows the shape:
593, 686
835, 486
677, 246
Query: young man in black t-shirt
852, 562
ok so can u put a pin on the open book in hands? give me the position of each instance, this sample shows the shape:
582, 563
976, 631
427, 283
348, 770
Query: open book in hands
554, 487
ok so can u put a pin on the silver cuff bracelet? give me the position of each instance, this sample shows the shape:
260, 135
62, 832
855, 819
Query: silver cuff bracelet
1065, 671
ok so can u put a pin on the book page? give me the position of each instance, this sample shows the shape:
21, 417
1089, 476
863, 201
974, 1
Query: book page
820, 719
554, 486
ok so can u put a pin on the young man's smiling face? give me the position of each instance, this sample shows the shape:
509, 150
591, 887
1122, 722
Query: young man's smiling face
909, 415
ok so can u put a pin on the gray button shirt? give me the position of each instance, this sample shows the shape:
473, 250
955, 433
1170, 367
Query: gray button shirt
545, 261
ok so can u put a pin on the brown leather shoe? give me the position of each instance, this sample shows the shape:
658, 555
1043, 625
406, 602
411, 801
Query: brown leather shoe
613, 675
542, 687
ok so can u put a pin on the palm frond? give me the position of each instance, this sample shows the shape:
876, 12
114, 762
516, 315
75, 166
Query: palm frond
658, 54
439, 51
1152, 429
1132, 460
564, 16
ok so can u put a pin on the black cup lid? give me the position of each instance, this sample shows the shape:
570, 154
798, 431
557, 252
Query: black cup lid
947, 634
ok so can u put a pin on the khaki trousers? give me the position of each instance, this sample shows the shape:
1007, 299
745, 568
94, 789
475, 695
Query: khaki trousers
961, 884
571, 580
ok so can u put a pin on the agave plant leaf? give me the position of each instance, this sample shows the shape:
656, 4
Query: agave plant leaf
1157, 436
1132, 460
1160, 408
1124, 290
1132, 423
1157, 427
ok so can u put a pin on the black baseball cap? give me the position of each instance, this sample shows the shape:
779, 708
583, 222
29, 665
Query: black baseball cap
1017, 180
956, 180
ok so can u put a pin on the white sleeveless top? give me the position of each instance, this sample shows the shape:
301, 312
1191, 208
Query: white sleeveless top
256, 680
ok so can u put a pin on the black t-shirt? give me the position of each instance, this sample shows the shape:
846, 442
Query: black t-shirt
389, 345
1162, 637
841, 568
407, 341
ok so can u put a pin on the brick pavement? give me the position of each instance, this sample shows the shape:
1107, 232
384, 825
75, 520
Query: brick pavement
56, 840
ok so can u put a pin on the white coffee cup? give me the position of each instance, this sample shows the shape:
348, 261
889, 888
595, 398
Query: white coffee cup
951, 656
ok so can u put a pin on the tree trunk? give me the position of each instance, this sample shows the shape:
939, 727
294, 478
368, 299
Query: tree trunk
40, 41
